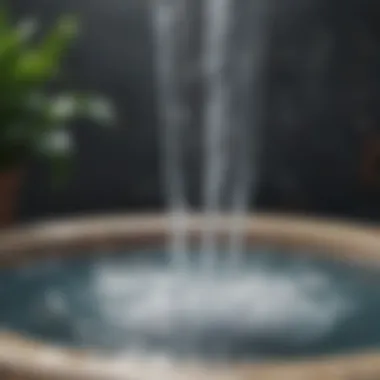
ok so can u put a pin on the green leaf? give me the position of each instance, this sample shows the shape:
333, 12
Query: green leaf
32, 121
33, 68
97, 109
10, 50
38, 65
59, 39
57, 142
57, 147
65, 108
27, 29
4, 19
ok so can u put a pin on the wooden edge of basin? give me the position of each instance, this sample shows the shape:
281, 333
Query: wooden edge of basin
24, 359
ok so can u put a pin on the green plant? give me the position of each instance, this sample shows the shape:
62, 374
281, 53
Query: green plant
32, 120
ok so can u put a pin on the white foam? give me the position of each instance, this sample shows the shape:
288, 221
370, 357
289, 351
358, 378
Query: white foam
154, 303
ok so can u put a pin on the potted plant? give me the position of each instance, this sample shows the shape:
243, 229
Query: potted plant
33, 120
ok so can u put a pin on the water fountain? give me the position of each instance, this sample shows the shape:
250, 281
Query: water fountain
232, 296
229, 61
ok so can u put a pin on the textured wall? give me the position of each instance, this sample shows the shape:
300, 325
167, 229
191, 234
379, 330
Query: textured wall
320, 107
323, 108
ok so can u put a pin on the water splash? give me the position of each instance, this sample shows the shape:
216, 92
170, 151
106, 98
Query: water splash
130, 307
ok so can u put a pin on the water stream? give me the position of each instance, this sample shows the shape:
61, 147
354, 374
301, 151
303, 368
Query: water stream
170, 31
217, 121
227, 63
231, 39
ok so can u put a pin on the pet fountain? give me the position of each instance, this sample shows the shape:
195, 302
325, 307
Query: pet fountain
232, 296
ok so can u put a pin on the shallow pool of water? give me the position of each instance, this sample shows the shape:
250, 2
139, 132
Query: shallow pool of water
274, 305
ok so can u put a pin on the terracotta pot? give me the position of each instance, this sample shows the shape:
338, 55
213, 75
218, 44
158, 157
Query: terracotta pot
25, 359
10, 184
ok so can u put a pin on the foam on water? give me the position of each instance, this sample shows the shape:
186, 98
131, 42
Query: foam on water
135, 304
155, 310
259, 303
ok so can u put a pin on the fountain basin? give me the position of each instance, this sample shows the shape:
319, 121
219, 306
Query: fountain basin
84, 242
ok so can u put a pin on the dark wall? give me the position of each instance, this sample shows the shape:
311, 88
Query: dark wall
319, 103
323, 113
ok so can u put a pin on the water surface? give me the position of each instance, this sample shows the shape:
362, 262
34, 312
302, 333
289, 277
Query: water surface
274, 305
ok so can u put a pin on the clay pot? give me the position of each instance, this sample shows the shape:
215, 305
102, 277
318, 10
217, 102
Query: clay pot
10, 184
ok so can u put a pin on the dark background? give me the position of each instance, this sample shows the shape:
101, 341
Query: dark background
320, 110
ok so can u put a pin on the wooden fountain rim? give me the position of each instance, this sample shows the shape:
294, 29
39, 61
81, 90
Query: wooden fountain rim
26, 359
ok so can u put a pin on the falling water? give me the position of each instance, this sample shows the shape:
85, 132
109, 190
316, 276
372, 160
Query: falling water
248, 54
217, 27
233, 51
171, 37
228, 58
